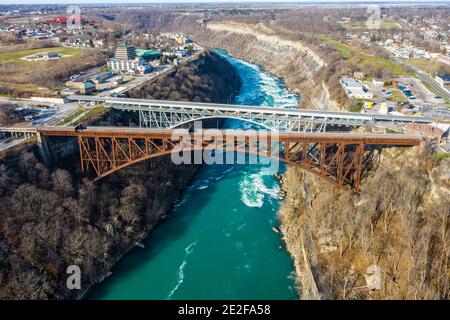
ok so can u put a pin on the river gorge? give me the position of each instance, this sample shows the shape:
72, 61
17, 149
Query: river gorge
158, 230
218, 241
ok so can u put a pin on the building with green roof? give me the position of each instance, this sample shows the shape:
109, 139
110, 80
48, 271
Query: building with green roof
148, 54
87, 87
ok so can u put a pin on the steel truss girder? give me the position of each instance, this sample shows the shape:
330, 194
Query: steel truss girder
163, 117
341, 163
165, 120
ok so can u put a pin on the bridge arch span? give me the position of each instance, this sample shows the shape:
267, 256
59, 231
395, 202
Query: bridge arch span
261, 124
340, 159
311, 169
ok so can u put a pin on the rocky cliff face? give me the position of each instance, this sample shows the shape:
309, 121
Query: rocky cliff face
290, 60
51, 218
390, 241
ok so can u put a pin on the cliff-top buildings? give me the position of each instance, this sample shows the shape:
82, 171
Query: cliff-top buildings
443, 81
125, 51
354, 89
126, 60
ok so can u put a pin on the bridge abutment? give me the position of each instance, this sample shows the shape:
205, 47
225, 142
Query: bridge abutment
44, 151
51, 149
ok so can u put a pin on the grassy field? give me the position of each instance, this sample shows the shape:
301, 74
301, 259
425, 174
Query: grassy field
362, 58
84, 117
390, 25
386, 24
397, 96
15, 56
429, 66
92, 113
20, 78
344, 49
358, 106
71, 116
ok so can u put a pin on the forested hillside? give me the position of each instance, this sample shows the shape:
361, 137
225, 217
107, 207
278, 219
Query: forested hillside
51, 218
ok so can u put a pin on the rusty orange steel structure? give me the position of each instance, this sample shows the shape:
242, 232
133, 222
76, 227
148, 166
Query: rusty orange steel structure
340, 158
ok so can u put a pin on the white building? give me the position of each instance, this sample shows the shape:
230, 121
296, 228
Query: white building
125, 66
420, 53
354, 89
127, 61
444, 59
43, 56
143, 69
378, 82
402, 53
444, 81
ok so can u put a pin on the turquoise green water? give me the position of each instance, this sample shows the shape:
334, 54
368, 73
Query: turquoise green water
218, 241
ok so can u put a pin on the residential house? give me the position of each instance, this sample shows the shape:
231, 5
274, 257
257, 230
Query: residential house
428, 131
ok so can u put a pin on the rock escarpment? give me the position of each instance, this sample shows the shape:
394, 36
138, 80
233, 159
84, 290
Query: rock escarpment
390, 241
297, 64
51, 218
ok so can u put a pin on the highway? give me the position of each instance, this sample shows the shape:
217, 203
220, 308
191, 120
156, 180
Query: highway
425, 77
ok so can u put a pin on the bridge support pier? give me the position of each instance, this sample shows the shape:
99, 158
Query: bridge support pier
342, 159
43, 149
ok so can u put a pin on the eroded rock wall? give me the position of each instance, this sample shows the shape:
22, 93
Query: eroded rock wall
390, 241
294, 62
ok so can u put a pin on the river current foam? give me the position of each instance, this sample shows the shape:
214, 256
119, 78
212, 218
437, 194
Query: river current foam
218, 241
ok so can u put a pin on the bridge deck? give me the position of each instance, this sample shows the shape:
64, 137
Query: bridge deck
337, 157
366, 138
138, 104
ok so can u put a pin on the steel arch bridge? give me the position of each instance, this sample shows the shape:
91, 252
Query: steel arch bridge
340, 158
158, 114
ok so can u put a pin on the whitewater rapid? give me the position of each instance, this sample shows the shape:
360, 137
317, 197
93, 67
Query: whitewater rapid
217, 242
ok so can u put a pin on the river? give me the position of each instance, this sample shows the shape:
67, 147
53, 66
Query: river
218, 242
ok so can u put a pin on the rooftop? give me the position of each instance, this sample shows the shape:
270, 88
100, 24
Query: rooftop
124, 44
426, 129
350, 82
445, 77
88, 85
146, 53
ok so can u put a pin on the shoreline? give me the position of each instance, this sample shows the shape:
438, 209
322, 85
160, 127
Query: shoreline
168, 216
138, 241
108, 270
97, 230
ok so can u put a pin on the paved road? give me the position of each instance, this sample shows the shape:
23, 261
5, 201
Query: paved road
140, 80
425, 77
15, 142
240, 111
90, 131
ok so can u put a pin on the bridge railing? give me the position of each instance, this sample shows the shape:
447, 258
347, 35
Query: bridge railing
249, 112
